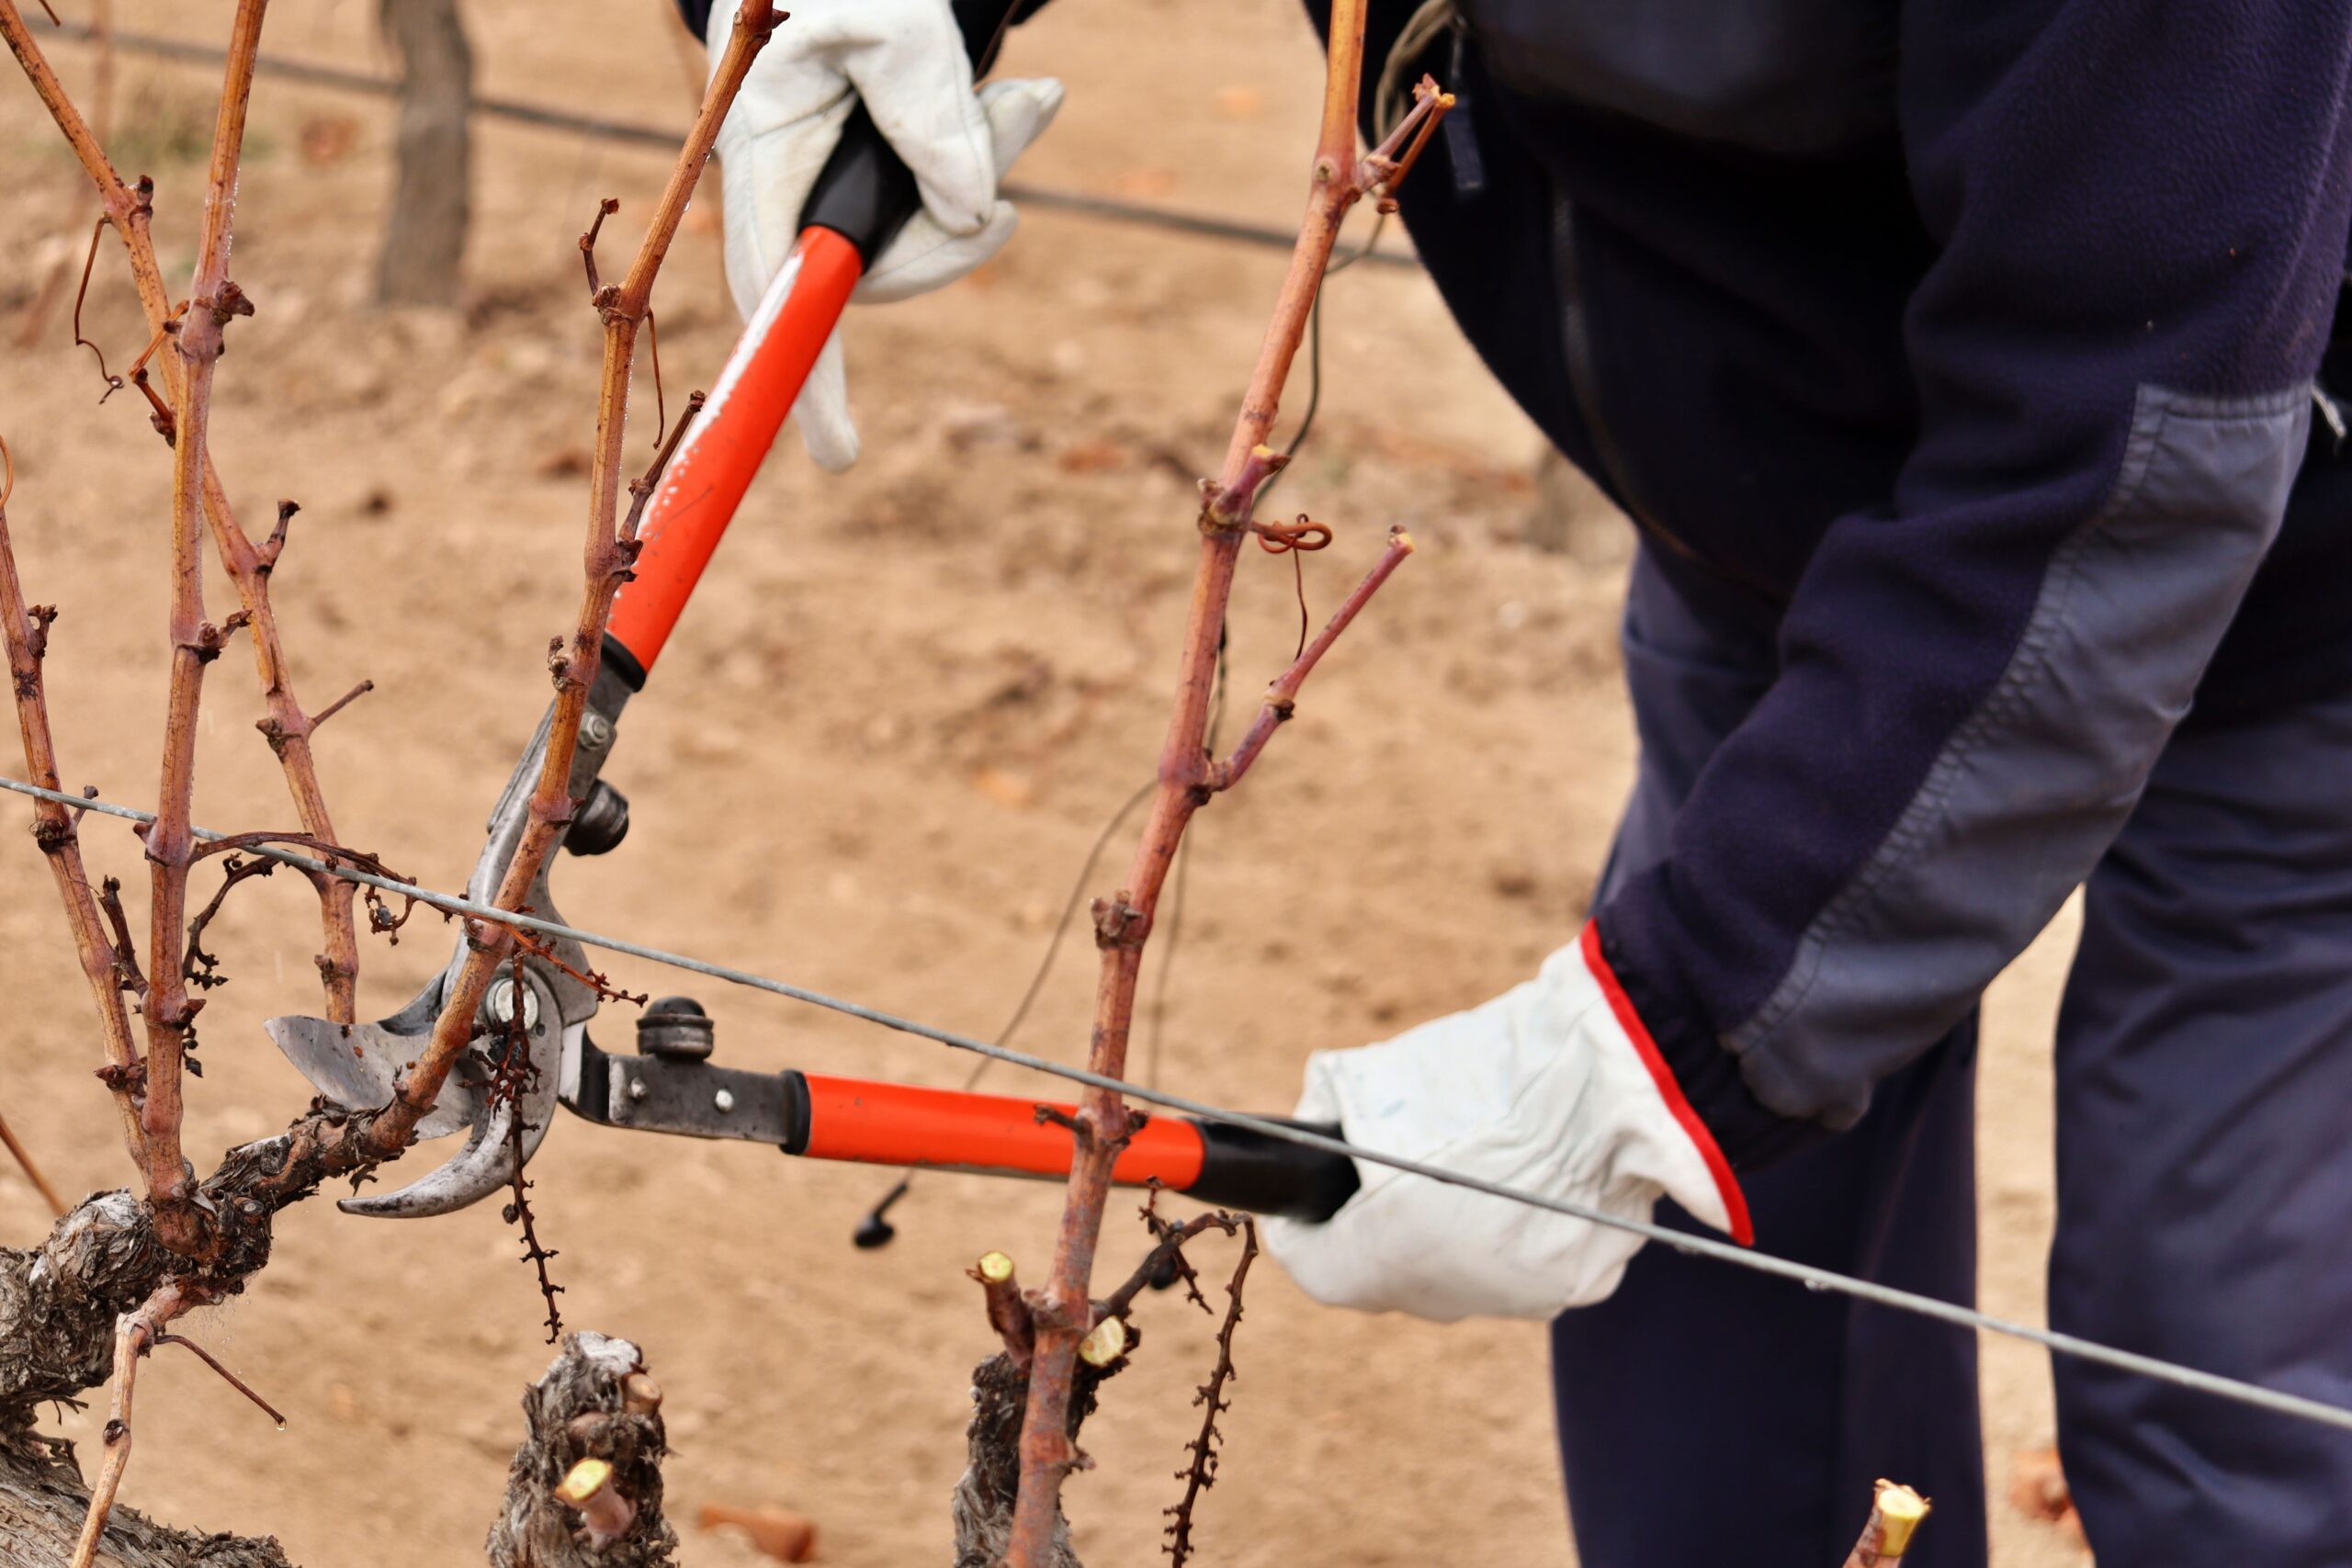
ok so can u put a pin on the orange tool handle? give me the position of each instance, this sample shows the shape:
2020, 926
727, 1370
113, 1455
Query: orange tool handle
708, 477
883, 1123
863, 195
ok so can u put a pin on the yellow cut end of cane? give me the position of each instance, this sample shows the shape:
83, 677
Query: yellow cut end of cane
641, 1395
994, 1267
1105, 1345
1900, 1509
587, 1478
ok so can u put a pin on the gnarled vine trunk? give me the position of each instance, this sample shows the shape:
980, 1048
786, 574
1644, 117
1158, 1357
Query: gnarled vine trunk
42, 1501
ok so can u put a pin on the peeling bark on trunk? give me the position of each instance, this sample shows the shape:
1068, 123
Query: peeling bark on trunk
42, 1501
581, 1410
984, 1496
59, 1301
58, 1306
425, 233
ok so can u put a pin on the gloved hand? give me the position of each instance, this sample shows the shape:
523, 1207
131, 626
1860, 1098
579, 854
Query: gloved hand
1554, 1087
905, 59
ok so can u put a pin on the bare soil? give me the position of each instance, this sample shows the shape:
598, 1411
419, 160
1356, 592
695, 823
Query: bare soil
872, 761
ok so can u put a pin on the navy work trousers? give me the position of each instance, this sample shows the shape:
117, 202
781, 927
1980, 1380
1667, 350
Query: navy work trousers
2204, 1076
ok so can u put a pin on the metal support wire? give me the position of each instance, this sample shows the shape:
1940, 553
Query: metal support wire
2233, 1389
336, 79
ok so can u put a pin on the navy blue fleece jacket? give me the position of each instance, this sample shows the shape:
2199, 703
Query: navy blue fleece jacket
1967, 346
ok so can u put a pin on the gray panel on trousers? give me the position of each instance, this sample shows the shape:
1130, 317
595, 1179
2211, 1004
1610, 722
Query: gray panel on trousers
2033, 786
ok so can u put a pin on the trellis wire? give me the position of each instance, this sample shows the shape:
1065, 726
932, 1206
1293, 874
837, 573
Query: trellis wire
337, 79
2233, 1389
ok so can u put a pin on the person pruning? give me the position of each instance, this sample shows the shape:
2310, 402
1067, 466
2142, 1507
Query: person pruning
1963, 365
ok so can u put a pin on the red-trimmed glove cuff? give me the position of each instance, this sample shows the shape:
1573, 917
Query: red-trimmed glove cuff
1748, 1135
1669, 1089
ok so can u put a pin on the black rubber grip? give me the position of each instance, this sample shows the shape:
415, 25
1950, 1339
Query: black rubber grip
617, 659
1242, 1169
865, 192
799, 1116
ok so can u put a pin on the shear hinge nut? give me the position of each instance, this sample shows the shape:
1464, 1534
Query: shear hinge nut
676, 1029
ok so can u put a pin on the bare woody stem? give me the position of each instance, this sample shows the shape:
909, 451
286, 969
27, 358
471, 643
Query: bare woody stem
606, 564
1281, 695
135, 1335
1169, 1253
213, 300
25, 1162
1008, 1313
57, 833
1189, 777
287, 727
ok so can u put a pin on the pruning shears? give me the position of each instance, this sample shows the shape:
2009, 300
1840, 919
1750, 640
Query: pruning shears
545, 1001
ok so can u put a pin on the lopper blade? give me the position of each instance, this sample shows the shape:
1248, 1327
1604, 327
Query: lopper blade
355, 1065
486, 1165
358, 1064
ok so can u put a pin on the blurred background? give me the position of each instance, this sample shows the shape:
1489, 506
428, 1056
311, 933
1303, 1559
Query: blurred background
903, 707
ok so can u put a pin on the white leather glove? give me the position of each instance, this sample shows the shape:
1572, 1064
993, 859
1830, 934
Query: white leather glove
1554, 1087
905, 59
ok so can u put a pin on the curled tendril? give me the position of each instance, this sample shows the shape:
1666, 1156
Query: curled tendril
1282, 538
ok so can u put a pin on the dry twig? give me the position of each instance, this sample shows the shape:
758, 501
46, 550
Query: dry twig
170, 1011
1189, 775
134, 1335
33, 1172
195, 1242
1201, 1473
128, 210
232, 1379
608, 556
511, 1082
25, 629
1169, 1255
237, 1201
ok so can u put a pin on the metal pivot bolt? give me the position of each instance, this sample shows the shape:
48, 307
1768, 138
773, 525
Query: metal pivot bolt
498, 1004
724, 1100
675, 1028
596, 730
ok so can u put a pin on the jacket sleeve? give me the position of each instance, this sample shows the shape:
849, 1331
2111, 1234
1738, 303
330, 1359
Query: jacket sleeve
2140, 212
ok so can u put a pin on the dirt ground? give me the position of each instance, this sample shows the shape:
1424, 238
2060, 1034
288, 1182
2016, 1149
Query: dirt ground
872, 762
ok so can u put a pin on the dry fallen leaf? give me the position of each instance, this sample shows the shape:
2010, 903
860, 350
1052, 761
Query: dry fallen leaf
1008, 789
328, 137
784, 1535
1092, 457
1237, 102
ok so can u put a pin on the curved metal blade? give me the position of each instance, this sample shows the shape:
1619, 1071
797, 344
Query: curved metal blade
355, 1065
486, 1164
